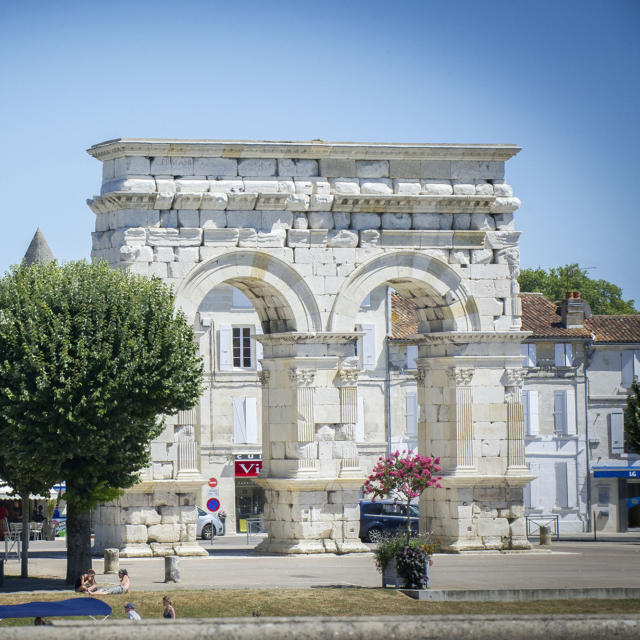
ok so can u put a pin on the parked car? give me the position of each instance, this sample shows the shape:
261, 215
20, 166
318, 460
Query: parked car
384, 518
209, 525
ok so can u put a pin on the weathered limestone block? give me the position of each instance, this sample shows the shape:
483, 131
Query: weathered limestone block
502, 239
170, 515
163, 254
191, 548
184, 237
136, 254
437, 188
133, 550
435, 169
463, 169
220, 237
402, 168
482, 221
213, 201
297, 202
209, 219
408, 187
137, 185
247, 238
341, 220
296, 167
320, 201
504, 221
396, 221
179, 270
241, 201
369, 238
320, 220
273, 220
493, 527
261, 185
376, 186
426, 221
165, 498
342, 238
141, 516
505, 205
163, 533
257, 167
481, 256
191, 184
361, 221
463, 188
214, 167
345, 186
337, 167
372, 168
459, 256
169, 219
226, 185
484, 188
135, 533
188, 218
161, 549
502, 189
275, 238
461, 221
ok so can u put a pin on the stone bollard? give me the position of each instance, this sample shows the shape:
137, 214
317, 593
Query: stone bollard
1, 573
545, 536
171, 569
111, 560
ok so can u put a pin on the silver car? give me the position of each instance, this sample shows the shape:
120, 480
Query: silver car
208, 526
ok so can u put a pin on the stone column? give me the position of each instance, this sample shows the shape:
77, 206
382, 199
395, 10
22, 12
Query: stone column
461, 378
310, 471
515, 421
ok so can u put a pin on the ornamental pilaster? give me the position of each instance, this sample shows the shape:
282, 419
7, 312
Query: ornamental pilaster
347, 379
304, 379
512, 380
460, 378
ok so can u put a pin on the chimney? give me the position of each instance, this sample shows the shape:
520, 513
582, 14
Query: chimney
573, 311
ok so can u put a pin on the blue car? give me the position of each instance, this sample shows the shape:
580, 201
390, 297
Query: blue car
385, 518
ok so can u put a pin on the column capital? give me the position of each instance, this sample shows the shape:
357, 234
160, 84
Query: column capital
513, 377
461, 376
302, 377
348, 372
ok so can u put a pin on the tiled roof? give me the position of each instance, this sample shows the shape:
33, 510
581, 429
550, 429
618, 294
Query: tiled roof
624, 328
542, 317
403, 319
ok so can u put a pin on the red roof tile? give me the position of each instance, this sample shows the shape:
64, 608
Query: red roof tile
403, 319
543, 318
625, 328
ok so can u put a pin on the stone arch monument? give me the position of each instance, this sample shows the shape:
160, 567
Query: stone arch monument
306, 230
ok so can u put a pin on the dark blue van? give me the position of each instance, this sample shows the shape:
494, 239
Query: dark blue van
384, 518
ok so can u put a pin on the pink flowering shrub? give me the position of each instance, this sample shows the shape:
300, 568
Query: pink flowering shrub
403, 476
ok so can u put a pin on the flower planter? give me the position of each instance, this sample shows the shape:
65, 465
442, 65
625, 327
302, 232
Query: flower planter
391, 577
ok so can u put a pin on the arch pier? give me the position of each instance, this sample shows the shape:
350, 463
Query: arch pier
309, 231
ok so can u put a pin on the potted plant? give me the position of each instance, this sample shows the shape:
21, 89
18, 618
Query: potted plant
404, 476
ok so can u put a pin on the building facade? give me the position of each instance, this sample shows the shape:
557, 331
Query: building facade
315, 235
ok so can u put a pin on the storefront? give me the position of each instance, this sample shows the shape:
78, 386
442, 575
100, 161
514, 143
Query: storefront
249, 496
617, 497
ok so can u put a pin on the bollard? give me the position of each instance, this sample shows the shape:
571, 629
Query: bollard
171, 569
1, 573
545, 536
111, 560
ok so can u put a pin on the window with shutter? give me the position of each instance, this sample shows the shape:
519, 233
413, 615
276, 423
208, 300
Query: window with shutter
562, 497
226, 360
242, 347
239, 421
616, 426
560, 412
367, 350
563, 355
528, 352
412, 354
628, 367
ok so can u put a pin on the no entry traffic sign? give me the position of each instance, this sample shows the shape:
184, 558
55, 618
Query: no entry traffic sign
213, 482
213, 504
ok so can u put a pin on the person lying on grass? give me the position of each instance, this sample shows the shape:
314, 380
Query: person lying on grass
123, 587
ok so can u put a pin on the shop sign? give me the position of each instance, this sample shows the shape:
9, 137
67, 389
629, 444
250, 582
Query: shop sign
248, 468
616, 472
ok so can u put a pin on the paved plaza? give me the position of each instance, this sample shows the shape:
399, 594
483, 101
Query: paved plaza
234, 563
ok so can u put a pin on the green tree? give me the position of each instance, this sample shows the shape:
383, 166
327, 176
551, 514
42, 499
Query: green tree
603, 296
632, 418
90, 359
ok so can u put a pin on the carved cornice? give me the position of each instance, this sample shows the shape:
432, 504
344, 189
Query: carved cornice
314, 149
302, 377
469, 337
316, 338
461, 376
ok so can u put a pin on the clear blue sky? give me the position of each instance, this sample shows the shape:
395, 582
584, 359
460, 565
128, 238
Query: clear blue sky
559, 78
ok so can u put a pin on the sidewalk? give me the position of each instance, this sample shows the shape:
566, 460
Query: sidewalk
233, 563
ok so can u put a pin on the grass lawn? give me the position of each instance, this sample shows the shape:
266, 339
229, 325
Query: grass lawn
225, 603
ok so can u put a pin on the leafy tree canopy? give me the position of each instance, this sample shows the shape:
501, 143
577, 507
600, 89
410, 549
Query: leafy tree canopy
603, 296
632, 418
89, 359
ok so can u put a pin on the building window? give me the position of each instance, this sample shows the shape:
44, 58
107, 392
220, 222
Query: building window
564, 412
630, 366
530, 407
241, 341
528, 352
563, 355
616, 427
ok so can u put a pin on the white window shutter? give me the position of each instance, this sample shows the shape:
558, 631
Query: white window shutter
258, 351
572, 489
571, 412
636, 363
412, 413
524, 352
534, 421
532, 355
226, 359
359, 435
627, 367
534, 486
239, 421
251, 419
616, 425
558, 355
568, 355
560, 412
369, 347
412, 354
562, 498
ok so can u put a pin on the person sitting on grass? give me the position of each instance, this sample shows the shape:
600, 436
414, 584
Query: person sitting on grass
131, 612
169, 612
123, 587
86, 583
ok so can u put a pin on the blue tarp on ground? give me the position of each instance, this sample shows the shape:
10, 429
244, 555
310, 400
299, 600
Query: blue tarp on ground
70, 607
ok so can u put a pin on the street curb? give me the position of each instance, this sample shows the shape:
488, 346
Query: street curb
516, 595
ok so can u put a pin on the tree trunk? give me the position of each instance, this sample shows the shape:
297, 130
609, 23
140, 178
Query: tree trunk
408, 520
24, 569
78, 543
